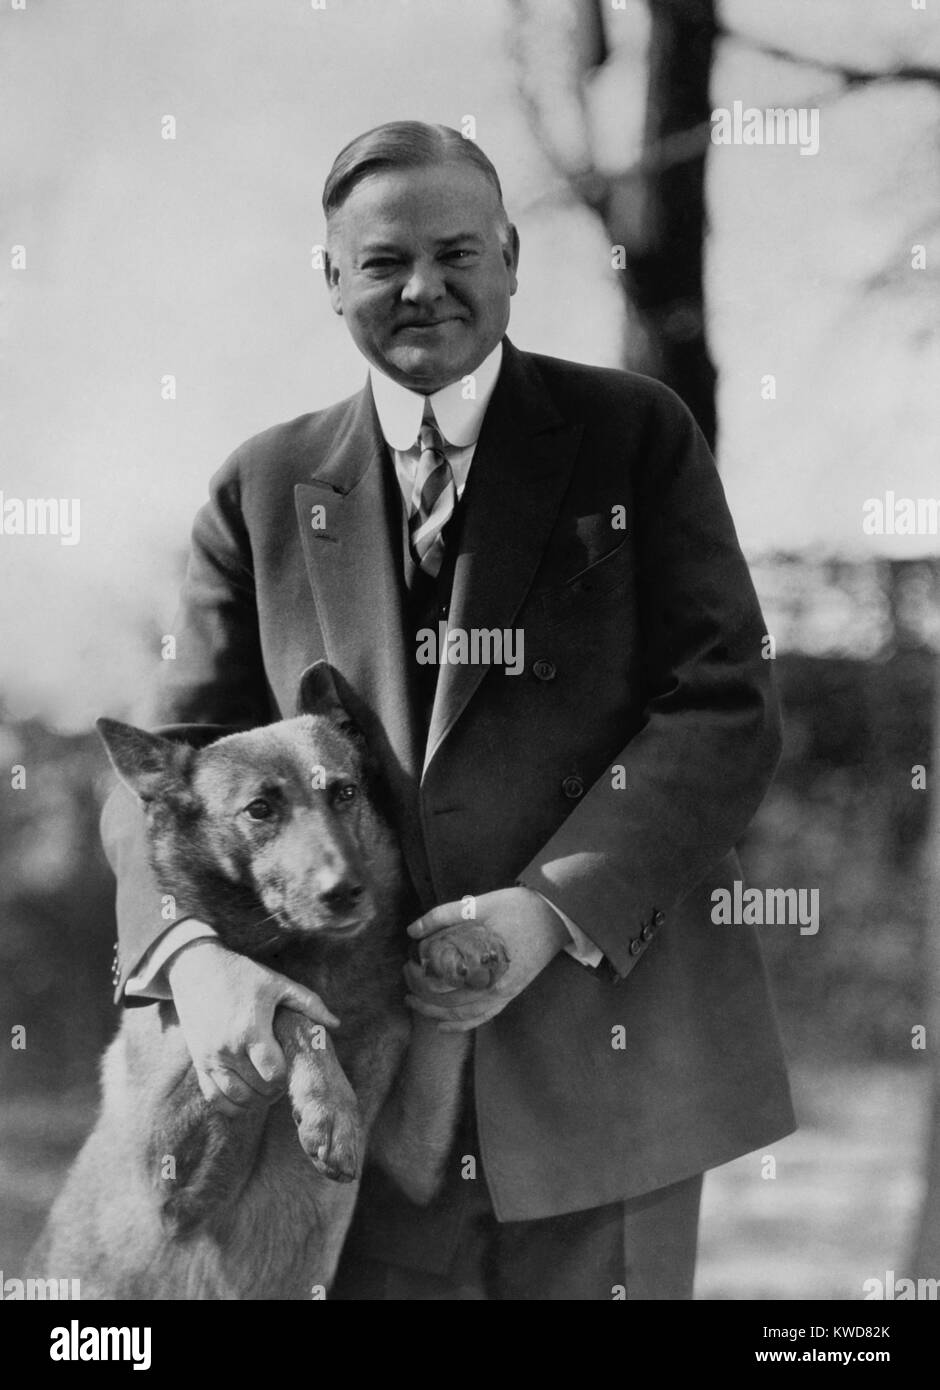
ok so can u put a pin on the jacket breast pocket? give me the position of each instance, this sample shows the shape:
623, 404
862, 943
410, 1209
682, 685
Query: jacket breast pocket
605, 581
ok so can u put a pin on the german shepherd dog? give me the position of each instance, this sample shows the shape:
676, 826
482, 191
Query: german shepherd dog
277, 838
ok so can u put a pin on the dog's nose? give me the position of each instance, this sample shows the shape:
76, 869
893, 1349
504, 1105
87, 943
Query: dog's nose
341, 895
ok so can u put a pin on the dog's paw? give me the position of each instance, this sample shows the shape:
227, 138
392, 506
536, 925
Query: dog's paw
464, 957
331, 1137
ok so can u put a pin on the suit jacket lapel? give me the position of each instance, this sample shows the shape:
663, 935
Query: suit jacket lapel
520, 471
349, 513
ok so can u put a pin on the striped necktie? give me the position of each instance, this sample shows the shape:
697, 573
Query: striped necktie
433, 499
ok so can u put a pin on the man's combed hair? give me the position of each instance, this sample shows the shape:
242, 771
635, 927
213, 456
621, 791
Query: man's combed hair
400, 145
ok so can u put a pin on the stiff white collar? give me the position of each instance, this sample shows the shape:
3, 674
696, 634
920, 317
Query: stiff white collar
459, 420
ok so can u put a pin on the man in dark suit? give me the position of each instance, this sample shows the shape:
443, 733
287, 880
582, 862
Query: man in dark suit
586, 784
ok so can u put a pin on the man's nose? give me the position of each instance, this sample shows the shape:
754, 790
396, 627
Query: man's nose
424, 284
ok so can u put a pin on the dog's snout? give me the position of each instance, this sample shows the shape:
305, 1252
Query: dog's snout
339, 892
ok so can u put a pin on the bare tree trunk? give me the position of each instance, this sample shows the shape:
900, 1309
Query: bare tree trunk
926, 1256
665, 245
655, 209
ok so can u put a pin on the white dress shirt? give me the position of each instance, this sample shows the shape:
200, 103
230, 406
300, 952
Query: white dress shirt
459, 410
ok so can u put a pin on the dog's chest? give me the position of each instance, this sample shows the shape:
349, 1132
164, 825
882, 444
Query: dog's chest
281, 1239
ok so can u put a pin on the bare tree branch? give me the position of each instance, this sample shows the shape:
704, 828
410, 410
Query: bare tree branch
847, 73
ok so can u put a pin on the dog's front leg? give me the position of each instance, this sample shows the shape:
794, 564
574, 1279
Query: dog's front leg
413, 1135
415, 1131
324, 1105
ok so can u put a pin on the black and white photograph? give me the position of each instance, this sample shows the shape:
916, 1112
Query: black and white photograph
470, 662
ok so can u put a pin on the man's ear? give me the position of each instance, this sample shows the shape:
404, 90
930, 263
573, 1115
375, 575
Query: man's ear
511, 256
152, 767
331, 272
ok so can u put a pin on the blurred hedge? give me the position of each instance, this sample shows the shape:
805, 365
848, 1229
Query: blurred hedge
56, 907
842, 817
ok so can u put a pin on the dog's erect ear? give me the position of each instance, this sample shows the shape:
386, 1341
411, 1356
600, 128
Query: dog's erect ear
150, 765
318, 693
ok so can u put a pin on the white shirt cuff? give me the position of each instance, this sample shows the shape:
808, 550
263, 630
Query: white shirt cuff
581, 948
149, 979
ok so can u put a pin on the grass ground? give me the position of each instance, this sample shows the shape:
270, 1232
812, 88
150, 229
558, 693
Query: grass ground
839, 1211
844, 1201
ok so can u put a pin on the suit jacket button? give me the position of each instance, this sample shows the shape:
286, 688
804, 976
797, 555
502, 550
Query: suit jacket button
573, 787
543, 670
636, 946
658, 917
646, 933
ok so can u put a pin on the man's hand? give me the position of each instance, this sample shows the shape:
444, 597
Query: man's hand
532, 932
226, 1005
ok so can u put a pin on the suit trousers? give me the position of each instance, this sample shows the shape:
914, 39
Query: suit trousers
456, 1249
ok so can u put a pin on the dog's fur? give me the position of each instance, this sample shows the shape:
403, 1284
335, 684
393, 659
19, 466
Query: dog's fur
277, 838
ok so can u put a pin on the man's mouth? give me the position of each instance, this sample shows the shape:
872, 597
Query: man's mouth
431, 323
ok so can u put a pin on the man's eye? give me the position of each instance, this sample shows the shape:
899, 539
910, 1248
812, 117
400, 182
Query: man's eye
259, 809
347, 792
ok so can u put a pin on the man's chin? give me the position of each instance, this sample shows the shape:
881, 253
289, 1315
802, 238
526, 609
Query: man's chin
424, 368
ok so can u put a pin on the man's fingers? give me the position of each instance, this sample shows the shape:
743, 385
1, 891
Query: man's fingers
294, 996
207, 1086
474, 1008
444, 915
270, 1067
215, 1098
235, 1088
421, 983
432, 991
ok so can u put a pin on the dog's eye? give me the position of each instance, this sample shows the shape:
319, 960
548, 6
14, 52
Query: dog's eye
347, 792
259, 809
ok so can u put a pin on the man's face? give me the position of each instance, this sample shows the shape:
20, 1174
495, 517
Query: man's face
422, 267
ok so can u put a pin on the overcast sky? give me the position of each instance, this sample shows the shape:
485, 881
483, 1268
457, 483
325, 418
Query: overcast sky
192, 257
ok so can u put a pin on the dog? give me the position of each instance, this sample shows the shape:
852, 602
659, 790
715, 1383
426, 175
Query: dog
278, 837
